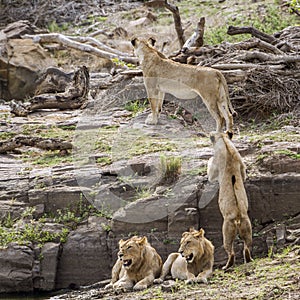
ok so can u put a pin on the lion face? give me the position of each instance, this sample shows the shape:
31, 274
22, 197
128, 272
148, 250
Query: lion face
191, 244
131, 251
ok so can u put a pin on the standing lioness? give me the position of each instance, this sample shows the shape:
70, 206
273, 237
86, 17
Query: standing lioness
162, 75
227, 167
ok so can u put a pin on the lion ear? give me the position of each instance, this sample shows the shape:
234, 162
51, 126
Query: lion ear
199, 233
151, 41
191, 229
185, 234
133, 42
143, 240
121, 242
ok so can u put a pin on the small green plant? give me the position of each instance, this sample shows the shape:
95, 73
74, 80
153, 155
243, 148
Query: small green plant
121, 63
54, 27
143, 192
8, 221
103, 161
288, 153
106, 227
171, 168
28, 212
136, 106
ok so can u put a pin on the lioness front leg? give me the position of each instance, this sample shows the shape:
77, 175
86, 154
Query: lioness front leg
202, 277
152, 118
144, 283
191, 278
156, 99
123, 283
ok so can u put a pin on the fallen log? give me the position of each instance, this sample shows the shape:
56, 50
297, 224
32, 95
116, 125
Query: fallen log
74, 96
38, 142
256, 43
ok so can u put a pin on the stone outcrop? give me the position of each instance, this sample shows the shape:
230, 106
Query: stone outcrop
16, 263
21, 60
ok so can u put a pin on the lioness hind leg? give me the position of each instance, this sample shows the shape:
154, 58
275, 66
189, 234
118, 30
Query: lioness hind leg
214, 111
229, 233
245, 232
167, 267
224, 110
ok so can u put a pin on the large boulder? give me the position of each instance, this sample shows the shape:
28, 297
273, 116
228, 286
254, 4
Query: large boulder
16, 264
84, 258
21, 61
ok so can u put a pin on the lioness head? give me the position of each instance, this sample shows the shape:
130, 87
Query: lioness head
136, 42
131, 251
191, 244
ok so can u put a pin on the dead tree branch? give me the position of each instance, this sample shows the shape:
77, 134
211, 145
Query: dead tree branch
232, 30
71, 43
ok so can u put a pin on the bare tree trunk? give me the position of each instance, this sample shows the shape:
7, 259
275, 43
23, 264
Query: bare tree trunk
196, 40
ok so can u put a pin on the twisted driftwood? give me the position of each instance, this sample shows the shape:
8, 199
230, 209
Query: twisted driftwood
74, 96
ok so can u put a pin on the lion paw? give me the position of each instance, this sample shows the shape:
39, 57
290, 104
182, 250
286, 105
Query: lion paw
122, 287
202, 280
151, 120
158, 281
139, 287
108, 286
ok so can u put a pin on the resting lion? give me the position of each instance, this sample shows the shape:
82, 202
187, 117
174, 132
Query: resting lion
194, 260
227, 167
162, 75
137, 266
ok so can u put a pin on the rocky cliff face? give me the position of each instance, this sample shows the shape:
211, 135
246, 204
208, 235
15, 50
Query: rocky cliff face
132, 187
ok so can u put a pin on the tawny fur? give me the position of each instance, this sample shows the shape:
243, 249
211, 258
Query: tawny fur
227, 167
137, 266
194, 260
162, 75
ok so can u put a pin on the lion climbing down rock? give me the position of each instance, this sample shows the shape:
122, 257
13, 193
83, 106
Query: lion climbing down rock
137, 266
227, 167
162, 75
194, 260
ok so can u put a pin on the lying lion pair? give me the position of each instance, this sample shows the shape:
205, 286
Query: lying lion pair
139, 265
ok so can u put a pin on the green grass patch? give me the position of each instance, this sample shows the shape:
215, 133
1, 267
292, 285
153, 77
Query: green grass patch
48, 158
31, 233
141, 146
136, 106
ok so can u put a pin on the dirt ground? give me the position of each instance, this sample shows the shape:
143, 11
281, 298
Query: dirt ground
276, 277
